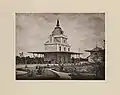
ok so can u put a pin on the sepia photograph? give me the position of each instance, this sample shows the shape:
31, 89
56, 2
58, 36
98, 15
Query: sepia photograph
60, 46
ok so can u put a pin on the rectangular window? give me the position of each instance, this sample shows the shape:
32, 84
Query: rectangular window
60, 48
68, 49
64, 49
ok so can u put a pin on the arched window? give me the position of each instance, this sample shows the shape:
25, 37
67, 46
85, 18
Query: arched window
64, 49
68, 49
60, 48
64, 41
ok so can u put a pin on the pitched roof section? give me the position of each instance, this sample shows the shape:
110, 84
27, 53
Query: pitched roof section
96, 49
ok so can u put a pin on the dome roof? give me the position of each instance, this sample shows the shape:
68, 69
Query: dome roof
57, 30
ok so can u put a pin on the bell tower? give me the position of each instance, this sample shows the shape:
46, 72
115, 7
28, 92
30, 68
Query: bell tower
57, 40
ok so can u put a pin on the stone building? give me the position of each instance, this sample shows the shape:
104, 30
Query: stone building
57, 49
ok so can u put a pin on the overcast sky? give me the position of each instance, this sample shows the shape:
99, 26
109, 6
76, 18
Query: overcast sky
83, 30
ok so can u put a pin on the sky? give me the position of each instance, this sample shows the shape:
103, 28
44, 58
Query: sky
84, 30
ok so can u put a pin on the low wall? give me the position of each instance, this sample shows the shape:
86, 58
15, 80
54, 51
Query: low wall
34, 65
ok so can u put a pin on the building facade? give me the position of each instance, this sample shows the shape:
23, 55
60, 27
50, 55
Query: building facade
57, 49
58, 46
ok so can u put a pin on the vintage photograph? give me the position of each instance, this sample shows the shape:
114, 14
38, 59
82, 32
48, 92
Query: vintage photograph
60, 46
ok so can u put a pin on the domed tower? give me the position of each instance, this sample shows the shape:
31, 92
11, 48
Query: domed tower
57, 40
57, 48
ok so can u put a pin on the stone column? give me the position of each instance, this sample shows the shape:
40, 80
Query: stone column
61, 40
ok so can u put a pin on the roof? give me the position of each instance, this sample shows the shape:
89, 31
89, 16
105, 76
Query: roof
57, 30
64, 36
63, 44
55, 52
95, 49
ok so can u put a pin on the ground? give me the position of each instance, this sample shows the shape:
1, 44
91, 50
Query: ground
77, 72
